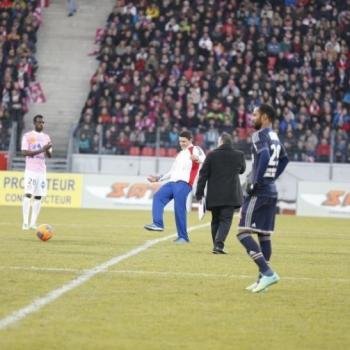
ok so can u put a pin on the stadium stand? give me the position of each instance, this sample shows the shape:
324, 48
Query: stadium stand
203, 65
19, 22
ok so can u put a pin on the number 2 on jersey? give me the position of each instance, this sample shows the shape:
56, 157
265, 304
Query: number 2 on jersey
273, 162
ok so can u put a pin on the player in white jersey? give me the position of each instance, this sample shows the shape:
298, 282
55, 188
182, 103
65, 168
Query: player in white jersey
36, 145
181, 176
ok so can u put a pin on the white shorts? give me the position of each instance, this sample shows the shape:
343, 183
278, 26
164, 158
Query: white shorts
35, 184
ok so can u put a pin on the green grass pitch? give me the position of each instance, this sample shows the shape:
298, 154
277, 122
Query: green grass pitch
170, 296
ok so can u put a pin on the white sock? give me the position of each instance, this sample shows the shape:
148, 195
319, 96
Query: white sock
26, 209
35, 211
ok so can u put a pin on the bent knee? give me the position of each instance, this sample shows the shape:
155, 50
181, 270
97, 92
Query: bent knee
243, 234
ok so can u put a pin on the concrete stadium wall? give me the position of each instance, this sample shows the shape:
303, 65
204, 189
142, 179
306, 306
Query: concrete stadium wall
143, 166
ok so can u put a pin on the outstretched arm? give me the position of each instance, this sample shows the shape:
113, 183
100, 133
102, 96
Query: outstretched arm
156, 178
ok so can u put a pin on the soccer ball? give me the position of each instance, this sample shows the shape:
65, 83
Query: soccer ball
44, 232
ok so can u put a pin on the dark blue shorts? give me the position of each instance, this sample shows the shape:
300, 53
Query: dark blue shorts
258, 215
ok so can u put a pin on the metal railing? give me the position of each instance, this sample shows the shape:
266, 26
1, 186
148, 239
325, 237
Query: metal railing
157, 145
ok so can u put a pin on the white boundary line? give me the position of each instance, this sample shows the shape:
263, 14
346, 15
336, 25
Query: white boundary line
39, 303
76, 225
167, 273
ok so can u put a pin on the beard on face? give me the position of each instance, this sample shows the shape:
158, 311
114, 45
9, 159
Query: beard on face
257, 124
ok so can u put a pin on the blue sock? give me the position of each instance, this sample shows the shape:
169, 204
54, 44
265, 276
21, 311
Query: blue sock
265, 245
255, 253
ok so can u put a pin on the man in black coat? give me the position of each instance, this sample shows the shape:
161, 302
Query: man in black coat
221, 171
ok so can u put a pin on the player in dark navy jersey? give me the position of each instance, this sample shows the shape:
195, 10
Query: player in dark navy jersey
259, 207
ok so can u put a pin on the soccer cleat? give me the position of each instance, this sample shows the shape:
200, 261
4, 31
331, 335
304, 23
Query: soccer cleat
25, 227
181, 240
252, 286
266, 281
33, 227
153, 227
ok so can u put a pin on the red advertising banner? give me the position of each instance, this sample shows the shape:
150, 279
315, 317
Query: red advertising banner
3, 160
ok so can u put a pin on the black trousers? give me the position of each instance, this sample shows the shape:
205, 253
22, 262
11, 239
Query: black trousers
220, 224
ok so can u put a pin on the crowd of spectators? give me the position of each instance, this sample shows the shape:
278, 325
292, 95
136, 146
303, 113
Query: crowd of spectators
19, 22
204, 64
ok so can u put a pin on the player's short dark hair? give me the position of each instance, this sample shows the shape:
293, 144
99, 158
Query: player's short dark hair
38, 116
186, 134
269, 111
226, 138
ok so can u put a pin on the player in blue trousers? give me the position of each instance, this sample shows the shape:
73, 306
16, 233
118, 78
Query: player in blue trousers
259, 207
181, 176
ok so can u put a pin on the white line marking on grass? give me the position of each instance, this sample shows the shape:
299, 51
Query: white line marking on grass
218, 275
167, 273
43, 269
39, 303
77, 225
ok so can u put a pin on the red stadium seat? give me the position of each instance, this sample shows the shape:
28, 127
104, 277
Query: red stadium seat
147, 151
172, 152
162, 152
134, 151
